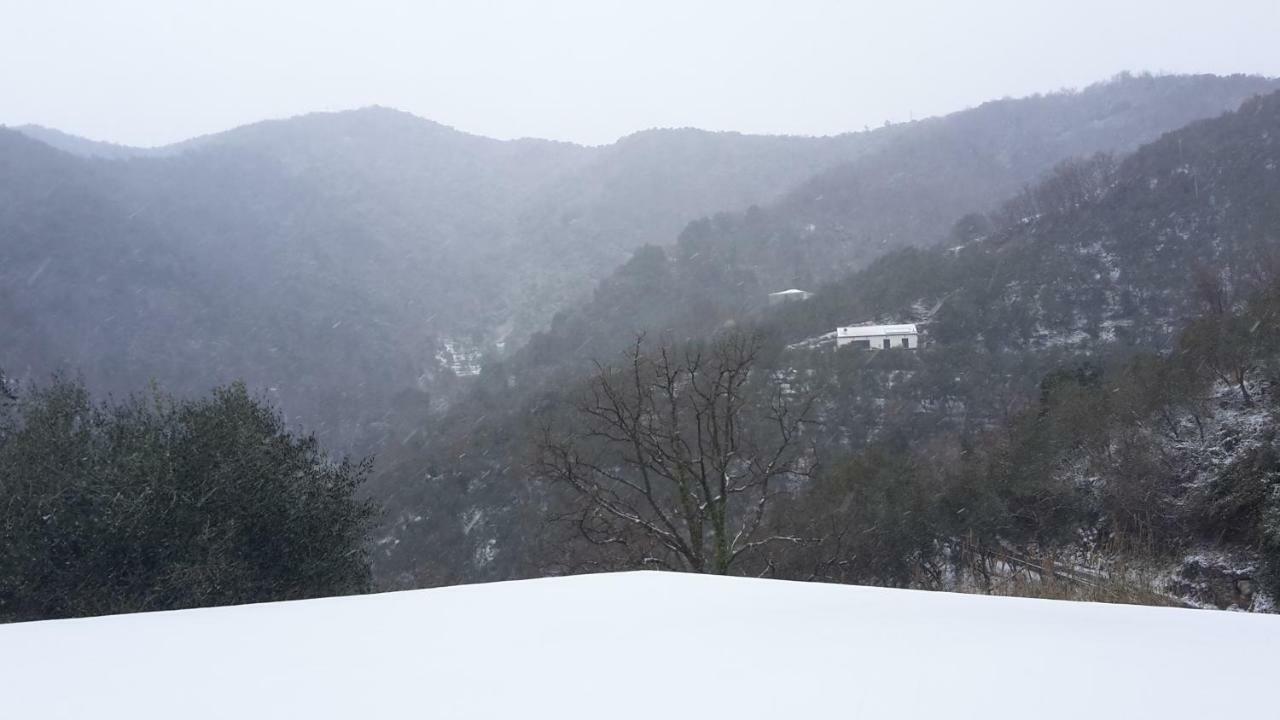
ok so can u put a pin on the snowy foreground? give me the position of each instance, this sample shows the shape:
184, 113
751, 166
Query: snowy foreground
645, 645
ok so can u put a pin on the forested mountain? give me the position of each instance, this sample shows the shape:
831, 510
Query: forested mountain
358, 266
342, 259
1106, 264
354, 264
909, 193
89, 148
337, 259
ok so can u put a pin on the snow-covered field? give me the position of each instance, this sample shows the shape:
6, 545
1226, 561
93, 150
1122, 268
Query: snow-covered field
645, 645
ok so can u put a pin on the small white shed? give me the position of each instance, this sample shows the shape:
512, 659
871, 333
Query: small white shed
788, 296
879, 337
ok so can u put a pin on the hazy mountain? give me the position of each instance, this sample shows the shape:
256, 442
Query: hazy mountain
908, 191
1097, 256
88, 148
358, 267
1101, 251
339, 260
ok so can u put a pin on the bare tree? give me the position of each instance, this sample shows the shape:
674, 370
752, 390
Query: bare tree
682, 452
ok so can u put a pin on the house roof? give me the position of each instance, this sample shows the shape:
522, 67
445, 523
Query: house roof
593, 645
874, 330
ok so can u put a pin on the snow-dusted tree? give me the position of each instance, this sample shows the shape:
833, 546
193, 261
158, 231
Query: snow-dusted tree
676, 455
1233, 337
156, 503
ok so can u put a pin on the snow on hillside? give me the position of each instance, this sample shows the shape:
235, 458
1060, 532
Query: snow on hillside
644, 645
462, 358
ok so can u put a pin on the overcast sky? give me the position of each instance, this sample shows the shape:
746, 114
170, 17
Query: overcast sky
152, 72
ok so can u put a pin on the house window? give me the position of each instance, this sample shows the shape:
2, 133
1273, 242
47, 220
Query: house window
862, 344
906, 343
887, 341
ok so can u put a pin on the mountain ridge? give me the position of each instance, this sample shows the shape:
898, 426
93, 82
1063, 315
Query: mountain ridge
332, 262
708, 282
55, 136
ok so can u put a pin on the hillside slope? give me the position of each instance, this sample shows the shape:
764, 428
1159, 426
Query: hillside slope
909, 192
355, 264
337, 259
1102, 258
1101, 250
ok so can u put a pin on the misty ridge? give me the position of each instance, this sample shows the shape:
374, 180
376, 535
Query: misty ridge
369, 253
561, 358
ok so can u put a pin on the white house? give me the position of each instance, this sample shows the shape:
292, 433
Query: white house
880, 337
788, 295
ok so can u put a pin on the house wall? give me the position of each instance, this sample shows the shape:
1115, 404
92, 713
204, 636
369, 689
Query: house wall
877, 341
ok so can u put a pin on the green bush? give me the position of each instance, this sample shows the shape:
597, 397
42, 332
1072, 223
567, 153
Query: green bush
157, 503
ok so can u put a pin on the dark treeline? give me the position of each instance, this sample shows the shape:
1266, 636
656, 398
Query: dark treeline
154, 503
1107, 468
707, 456
1139, 456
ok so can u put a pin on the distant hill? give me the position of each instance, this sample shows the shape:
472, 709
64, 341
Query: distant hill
909, 191
334, 258
1104, 250
88, 148
352, 264
1096, 253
